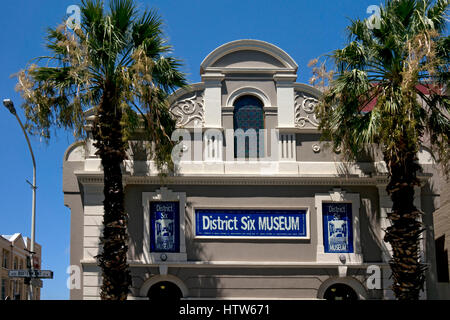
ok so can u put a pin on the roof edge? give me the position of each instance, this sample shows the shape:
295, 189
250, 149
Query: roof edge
248, 44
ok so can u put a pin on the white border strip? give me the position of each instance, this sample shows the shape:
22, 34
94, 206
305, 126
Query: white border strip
250, 238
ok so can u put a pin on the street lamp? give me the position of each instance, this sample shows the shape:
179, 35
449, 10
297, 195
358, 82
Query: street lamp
10, 106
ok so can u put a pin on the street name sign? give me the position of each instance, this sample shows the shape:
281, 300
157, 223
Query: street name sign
43, 274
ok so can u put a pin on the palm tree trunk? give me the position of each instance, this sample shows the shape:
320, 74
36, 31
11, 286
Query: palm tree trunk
113, 259
405, 230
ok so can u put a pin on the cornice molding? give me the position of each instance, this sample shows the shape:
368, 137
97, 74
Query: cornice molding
247, 264
90, 178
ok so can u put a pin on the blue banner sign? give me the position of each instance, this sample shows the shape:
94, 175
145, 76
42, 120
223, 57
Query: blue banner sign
337, 227
250, 223
164, 227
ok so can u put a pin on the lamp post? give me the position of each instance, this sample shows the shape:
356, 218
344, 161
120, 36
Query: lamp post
10, 106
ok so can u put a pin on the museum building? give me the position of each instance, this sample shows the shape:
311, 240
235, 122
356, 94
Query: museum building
287, 219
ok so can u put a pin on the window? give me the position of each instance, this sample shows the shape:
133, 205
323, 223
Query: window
20, 294
3, 292
5, 263
14, 287
249, 118
16, 263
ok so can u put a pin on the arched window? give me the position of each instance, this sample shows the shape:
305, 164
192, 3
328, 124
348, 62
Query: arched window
248, 119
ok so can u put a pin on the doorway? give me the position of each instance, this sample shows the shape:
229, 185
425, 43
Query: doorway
340, 291
165, 291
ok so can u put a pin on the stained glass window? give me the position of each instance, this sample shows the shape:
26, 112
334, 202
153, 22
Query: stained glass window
248, 115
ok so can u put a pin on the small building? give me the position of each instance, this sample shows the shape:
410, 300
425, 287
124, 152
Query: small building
14, 252
258, 206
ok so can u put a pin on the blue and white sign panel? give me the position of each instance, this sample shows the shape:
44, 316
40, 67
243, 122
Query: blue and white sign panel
164, 227
251, 223
337, 227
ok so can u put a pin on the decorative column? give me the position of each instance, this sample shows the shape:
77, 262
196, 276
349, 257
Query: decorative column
213, 99
285, 99
286, 118
286, 147
212, 139
213, 145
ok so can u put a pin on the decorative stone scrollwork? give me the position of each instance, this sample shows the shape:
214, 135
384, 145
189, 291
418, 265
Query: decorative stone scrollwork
186, 110
305, 111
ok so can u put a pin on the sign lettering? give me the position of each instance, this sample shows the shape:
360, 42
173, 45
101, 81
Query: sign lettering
251, 223
45, 274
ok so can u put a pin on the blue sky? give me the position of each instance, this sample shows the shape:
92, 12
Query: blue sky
305, 29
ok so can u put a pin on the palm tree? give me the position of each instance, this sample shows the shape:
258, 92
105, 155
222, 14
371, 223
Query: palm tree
387, 89
116, 63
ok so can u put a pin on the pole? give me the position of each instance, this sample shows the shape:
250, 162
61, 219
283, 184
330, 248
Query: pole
33, 212
10, 106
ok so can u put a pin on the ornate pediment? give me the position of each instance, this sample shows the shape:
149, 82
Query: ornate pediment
248, 55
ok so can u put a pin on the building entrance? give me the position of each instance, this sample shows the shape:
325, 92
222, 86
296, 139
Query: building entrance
340, 291
164, 291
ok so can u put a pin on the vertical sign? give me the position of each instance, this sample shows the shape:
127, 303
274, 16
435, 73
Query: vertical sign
164, 227
337, 227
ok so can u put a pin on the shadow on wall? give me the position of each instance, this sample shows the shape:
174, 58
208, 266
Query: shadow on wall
138, 152
364, 162
442, 260
429, 195
201, 284
373, 242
